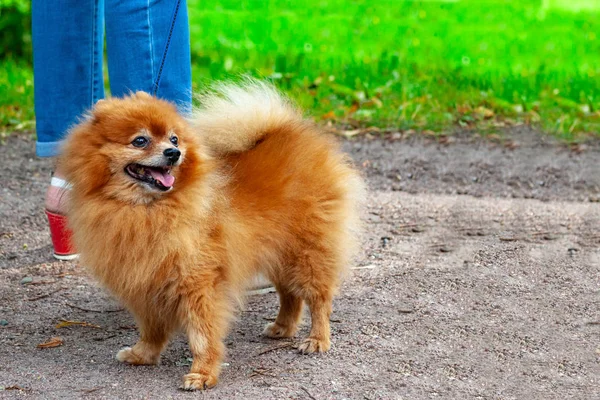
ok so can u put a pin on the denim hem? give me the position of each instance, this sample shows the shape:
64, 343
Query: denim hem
48, 149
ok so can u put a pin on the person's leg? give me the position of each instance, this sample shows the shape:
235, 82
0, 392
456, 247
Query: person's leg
148, 48
67, 62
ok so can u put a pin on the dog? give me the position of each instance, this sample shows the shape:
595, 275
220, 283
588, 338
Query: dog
175, 216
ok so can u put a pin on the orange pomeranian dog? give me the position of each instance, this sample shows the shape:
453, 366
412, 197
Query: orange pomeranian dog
176, 217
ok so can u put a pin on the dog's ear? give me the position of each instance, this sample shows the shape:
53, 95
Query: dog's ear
99, 109
142, 95
100, 105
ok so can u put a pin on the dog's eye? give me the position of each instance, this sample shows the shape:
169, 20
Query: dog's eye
174, 140
140, 141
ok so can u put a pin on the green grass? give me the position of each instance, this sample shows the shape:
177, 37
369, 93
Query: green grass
425, 65
16, 97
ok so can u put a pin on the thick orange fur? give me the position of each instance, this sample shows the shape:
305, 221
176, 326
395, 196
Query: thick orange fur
258, 189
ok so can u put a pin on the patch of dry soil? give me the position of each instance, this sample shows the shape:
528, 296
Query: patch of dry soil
469, 286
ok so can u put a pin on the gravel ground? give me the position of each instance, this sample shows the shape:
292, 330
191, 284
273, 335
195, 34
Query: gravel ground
480, 278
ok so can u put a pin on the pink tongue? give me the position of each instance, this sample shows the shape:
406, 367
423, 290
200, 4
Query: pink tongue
163, 177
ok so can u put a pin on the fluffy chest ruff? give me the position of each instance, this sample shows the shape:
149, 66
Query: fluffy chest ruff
141, 252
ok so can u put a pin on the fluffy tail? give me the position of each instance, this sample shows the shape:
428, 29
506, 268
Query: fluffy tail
233, 117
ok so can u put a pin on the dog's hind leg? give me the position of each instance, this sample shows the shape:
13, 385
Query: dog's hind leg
154, 335
315, 277
290, 311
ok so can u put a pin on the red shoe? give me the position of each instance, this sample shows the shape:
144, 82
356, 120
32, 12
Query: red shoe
61, 237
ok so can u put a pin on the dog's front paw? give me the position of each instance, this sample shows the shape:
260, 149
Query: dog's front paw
129, 356
194, 381
312, 345
276, 331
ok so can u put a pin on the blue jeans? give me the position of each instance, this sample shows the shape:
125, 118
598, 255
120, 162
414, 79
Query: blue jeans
148, 48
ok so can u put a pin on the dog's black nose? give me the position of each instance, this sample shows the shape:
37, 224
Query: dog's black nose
172, 155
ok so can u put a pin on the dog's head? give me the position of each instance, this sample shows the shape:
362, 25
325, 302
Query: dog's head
136, 149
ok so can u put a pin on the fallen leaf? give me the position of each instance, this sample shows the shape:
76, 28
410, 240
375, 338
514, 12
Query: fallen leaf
92, 390
373, 102
372, 129
262, 291
53, 342
578, 148
485, 113
350, 133
444, 139
370, 266
329, 115
16, 387
353, 108
532, 117
343, 90
64, 323
463, 109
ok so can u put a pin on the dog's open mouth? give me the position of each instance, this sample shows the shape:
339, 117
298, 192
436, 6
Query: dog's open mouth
158, 177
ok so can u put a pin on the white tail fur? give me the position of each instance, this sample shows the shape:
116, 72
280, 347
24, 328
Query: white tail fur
233, 117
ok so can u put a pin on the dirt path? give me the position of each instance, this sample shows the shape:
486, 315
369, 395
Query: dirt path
476, 281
